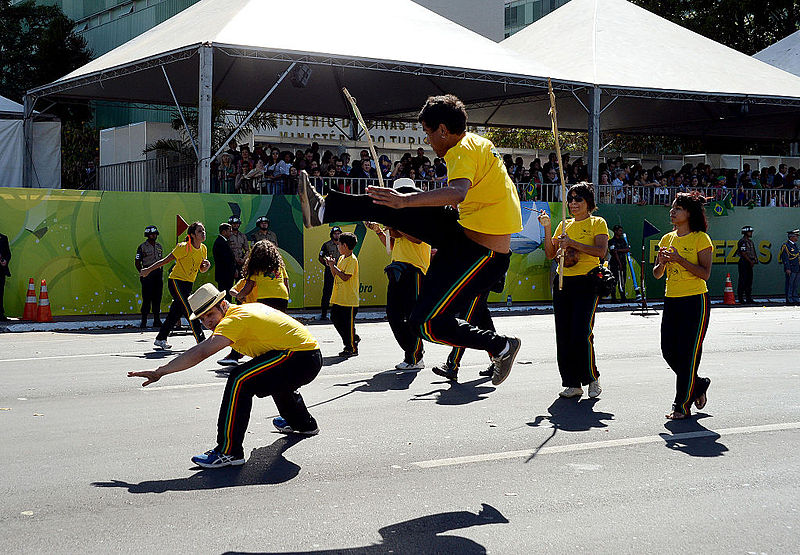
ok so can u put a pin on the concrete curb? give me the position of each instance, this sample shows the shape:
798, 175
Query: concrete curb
516, 310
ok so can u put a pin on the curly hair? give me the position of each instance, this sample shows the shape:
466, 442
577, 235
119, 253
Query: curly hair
264, 259
693, 202
445, 109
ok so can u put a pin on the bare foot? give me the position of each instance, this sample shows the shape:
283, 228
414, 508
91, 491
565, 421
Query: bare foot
675, 415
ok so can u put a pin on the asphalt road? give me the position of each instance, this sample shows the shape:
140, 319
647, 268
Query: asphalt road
407, 462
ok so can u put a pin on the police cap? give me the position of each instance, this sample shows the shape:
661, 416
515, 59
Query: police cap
747, 228
149, 230
262, 219
234, 220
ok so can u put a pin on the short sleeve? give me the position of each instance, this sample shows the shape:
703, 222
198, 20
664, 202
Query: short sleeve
600, 227
703, 242
181, 250
557, 232
229, 329
139, 252
663, 241
461, 164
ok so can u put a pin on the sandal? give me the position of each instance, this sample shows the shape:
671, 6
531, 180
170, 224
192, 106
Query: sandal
676, 415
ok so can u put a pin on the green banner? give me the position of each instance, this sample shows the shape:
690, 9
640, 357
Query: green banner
83, 243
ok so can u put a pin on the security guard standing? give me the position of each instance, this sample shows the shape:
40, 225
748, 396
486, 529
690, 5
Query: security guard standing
790, 258
148, 253
238, 244
264, 232
746, 251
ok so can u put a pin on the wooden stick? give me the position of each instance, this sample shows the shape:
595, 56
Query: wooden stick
554, 124
374, 154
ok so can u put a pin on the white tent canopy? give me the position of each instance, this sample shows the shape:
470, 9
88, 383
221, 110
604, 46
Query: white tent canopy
656, 77
46, 157
784, 54
390, 54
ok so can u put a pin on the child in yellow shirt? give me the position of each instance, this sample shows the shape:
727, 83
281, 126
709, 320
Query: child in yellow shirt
344, 299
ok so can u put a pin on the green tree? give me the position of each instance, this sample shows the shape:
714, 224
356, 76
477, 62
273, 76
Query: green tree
745, 25
37, 46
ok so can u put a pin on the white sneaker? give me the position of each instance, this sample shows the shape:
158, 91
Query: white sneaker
409, 366
571, 392
594, 389
161, 344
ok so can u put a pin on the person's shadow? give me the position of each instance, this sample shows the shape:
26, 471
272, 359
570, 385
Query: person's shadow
266, 465
457, 393
570, 415
390, 380
422, 535
690, 437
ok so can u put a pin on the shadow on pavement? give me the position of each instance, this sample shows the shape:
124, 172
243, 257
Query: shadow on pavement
389, 380
692, 438
152, 355
573, 416
266, 465
570, 415
421, 535
457, 393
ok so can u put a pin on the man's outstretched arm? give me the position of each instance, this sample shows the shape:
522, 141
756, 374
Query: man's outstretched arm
193, 356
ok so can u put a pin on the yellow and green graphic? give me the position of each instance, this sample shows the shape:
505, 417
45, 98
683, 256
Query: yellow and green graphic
83, 243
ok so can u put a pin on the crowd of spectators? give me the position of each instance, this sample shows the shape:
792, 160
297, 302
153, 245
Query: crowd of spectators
631, 183
270, 170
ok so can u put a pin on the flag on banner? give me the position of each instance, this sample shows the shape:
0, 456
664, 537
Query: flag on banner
180, 225
649, 229
728, 201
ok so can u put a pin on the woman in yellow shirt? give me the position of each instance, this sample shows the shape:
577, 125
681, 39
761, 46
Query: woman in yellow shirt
684, 257
265, 281
190, 257
585, 240
265, 272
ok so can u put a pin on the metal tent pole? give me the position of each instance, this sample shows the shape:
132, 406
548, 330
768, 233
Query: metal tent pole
204, 118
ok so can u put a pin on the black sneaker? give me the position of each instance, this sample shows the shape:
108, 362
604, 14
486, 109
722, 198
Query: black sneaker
283, 427
502, 364
446, 370
488, 372
310, 201
348, 352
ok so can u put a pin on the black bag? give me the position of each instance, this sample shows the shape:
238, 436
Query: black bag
603, 280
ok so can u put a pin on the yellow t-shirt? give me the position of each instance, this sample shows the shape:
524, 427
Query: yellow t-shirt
492, 202
345, 293
680, 281
256, 329
187, 261
584, 232
416, 254
272, 286
252, 296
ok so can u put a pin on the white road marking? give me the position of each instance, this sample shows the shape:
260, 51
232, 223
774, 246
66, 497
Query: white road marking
70, 356
453, 461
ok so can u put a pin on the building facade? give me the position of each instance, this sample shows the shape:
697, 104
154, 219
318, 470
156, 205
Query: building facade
521, 13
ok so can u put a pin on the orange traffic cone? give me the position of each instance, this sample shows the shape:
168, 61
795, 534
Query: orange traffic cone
727, 296
44, 314
30, 303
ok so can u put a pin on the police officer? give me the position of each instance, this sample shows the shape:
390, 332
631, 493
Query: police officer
746, 251
238, 244
264, 232
329, 249
147, 254
790, 258
618, 250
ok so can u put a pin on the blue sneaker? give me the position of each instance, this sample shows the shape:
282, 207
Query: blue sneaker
283, 427
215, 459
